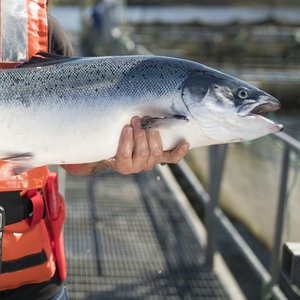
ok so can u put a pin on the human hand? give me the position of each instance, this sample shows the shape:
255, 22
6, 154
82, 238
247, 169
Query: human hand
138, 150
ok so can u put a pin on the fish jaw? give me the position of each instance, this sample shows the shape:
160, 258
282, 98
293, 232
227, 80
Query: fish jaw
263, 124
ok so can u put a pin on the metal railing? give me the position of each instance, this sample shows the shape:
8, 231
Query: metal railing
215, 217
290, 144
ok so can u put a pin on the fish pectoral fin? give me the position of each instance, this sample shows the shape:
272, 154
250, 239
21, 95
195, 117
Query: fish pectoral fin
153, 123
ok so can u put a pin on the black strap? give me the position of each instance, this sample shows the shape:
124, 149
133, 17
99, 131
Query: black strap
16, 208
25, 262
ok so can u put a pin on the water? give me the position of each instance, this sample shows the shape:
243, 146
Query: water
70, 16
210, 15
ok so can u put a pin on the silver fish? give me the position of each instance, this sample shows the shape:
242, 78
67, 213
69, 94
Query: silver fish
72, 110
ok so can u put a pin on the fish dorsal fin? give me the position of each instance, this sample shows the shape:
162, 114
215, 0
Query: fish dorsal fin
44, 59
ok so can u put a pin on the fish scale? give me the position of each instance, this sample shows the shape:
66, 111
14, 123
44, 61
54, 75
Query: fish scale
72, 110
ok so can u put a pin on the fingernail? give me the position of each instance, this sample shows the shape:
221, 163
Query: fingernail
135, 121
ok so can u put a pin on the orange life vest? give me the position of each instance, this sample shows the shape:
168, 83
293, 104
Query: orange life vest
31, 248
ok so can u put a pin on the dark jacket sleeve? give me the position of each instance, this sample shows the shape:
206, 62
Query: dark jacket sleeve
58, 41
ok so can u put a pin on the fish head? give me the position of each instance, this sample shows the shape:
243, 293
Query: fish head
228, 109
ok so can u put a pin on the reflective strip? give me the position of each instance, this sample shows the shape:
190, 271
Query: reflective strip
13, 30
23, 30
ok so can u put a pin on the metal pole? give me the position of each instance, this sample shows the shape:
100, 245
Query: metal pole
217, 156
275, 266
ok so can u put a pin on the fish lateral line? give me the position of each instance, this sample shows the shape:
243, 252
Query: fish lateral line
152, 123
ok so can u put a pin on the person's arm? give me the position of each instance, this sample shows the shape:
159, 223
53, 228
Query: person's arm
138, 150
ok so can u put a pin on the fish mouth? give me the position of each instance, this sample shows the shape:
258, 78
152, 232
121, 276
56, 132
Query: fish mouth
260, 108
263, 108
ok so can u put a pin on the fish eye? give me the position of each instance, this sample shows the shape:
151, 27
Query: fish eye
243, 94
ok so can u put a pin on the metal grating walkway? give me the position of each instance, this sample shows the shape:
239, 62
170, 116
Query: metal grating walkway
126, 238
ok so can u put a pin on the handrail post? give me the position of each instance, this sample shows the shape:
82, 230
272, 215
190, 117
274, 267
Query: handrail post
217, 154
280, 216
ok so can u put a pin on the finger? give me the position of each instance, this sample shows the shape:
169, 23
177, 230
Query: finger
175, 156
155, 148
141, 147
123, 160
